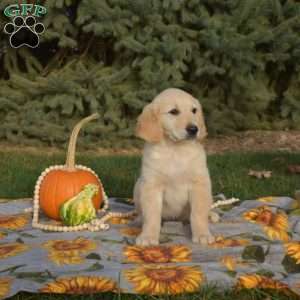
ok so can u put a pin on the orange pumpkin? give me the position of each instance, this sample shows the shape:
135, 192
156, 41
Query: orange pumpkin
63, 183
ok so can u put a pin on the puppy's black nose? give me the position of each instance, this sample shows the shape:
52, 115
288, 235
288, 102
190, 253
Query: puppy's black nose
192, 130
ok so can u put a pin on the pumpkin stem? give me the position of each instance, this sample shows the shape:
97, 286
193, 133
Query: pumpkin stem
70, 161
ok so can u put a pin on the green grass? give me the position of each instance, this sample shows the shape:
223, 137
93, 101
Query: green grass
19, 172
207, 293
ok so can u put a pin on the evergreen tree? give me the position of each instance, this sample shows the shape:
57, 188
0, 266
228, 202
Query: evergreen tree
240, 58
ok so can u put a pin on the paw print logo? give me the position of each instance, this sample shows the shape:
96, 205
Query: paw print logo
24, 32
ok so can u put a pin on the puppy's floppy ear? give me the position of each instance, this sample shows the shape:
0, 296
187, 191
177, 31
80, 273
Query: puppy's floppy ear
203, 131
148, 125
201, 123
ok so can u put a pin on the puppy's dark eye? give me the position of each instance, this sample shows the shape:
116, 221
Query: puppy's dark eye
194, 110
174, 112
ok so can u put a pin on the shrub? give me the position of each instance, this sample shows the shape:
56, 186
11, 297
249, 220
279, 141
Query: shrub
241, 58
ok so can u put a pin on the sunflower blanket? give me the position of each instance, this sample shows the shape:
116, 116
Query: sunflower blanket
257, 246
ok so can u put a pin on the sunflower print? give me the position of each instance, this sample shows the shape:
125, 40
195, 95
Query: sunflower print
66, 252
229, 262
5, 284
254, 281
275, 225
157, 254
78, 245
221, 242
268, 199
12, 249
156, 280
80, 285
131, 231
60, 258
121, 220
293, 250
13, 222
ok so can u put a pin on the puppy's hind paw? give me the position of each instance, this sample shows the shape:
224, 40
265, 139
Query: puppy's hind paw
203, 239
143, 240
214, 217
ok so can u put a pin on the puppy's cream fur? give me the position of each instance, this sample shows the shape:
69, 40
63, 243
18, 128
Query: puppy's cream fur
174, 182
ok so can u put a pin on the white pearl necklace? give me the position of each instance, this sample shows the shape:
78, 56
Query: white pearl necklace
224, 202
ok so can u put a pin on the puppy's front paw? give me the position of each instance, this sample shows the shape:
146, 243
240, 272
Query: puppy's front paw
146, 240
203, 239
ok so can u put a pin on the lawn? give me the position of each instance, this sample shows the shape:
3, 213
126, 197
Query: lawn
229, 173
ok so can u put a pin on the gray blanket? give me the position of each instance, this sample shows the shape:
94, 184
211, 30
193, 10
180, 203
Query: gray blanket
257, 246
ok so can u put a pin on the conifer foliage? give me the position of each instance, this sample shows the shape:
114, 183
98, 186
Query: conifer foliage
241, 58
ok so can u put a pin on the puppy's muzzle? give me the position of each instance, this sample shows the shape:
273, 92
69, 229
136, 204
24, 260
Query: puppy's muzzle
192, 131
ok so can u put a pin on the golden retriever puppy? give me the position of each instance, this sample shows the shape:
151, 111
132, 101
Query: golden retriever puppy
174, 182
